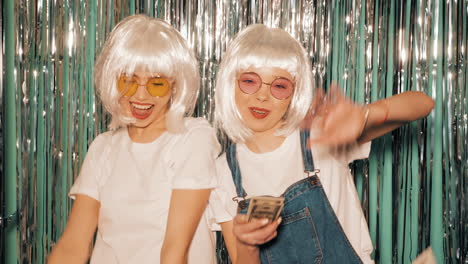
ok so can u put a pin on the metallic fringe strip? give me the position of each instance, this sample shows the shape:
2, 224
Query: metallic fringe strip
412, 188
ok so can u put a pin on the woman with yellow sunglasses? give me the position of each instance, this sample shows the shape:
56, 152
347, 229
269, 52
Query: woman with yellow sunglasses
144, 185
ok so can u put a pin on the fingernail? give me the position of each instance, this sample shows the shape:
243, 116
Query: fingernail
279, 220
264, 221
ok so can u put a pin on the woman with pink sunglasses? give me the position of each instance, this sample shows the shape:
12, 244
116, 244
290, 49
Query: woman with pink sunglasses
264, 91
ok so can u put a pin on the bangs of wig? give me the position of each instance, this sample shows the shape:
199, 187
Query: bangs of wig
259, 46
148, 50
141, 43
271, 48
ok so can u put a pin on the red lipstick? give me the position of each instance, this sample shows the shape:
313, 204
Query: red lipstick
259, 113
141, 111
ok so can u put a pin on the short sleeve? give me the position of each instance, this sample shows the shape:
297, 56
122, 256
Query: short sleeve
87, 181
194, 159
221, 207
358, 151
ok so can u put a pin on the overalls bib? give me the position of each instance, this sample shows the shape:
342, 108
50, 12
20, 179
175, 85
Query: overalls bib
310, 231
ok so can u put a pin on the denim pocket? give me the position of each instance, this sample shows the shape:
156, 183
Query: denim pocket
296, 242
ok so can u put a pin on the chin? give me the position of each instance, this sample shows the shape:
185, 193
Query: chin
261, 129
142, 123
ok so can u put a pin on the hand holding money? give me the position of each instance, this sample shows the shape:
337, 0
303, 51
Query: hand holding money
255, 232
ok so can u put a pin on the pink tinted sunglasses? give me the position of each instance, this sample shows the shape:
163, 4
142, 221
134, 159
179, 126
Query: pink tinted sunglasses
250, 82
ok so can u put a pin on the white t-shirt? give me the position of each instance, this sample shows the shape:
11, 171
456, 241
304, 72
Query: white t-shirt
133, 183
283, 167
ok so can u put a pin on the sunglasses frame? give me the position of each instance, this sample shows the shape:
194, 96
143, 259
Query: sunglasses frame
269, 84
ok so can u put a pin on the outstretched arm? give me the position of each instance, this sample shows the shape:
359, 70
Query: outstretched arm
185, 211
388, 114
341, 121
75, 244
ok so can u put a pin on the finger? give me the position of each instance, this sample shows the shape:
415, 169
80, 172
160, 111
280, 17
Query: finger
315, 109
312, 112
318, 98
258, 236
270, 237
335, 93
271, 229
320, 141
243, 226
240, 219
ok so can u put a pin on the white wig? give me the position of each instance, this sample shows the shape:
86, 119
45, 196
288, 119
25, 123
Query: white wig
260, 46
142, 43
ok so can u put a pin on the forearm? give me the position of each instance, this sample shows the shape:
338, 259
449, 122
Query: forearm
171, 253
247, 254
393, 112
72, 254
75, 244
230, 240
185, 211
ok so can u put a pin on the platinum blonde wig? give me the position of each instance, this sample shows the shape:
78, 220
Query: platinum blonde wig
260, 46
142, 43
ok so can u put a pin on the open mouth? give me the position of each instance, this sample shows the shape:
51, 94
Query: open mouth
259, 113
141, 111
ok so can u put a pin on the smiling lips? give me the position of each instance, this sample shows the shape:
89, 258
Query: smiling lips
259, 113
141, 111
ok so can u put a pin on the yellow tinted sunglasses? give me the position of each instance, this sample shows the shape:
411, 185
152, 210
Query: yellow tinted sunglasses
156, 86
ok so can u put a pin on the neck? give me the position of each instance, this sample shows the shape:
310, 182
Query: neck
149, 133
262, 142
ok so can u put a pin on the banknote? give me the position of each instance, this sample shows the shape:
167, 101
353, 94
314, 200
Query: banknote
265, 207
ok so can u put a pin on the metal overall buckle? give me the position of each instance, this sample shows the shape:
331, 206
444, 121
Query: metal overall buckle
311, 174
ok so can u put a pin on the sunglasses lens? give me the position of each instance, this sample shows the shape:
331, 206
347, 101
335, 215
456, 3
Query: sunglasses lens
249, 83
158, 86
282, 88
127, 86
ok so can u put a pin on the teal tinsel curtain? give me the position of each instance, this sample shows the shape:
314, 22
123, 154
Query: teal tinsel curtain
412, 188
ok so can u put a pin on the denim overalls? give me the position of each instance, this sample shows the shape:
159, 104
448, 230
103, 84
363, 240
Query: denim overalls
309, 231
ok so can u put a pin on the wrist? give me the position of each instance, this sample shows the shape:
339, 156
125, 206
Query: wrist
247, 254
384, 108
246, 247
366, 111
379, 114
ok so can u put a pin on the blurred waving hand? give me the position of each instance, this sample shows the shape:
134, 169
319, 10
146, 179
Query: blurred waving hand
337, 121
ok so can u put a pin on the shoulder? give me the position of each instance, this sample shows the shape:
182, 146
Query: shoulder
104, 141
108, 137
199, 136
199, 123
199, 129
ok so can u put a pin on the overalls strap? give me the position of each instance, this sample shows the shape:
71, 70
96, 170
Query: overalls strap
306, 153
231, 157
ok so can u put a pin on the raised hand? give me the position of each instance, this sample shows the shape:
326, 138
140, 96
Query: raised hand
337, 119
